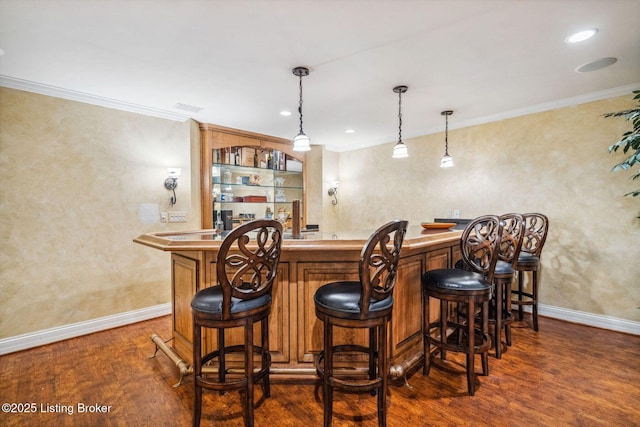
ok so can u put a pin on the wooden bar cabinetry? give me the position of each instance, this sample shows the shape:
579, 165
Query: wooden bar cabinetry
306, 264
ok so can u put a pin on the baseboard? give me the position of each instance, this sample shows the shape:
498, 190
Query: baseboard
589, 319
48, 336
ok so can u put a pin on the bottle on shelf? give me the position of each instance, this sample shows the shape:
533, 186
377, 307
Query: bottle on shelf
269, 161
256, 159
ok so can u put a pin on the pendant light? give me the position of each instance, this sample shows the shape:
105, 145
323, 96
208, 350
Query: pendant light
400, 150
301, 141
447, 160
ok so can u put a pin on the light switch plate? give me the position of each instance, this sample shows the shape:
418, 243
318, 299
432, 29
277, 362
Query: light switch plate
177, 216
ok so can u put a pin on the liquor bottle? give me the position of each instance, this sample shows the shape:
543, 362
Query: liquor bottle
256, 159
269, 161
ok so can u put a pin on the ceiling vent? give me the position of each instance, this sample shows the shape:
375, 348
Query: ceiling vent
596, 65
189, 108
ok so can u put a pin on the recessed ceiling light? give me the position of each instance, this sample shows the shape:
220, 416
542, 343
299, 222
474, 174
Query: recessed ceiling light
285, 113
581, 36
596, 65
350, 131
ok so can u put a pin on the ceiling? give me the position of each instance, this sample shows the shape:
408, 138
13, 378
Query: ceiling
486, 60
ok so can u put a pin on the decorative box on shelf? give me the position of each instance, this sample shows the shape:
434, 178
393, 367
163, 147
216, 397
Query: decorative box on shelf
255, 199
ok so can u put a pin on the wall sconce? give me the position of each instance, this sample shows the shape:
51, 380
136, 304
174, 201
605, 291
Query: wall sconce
333, 191
172, 182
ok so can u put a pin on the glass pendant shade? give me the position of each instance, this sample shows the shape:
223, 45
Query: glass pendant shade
301, 142
446, 161
400, 151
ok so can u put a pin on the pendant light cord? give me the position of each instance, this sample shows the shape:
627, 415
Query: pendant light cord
446, 134
399, 116
300, 105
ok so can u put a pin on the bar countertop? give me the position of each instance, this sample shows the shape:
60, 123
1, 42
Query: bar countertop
199, 240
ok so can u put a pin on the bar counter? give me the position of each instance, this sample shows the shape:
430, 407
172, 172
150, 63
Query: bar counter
306, 263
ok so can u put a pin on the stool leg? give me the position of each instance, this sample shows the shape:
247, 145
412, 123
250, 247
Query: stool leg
520, 291
485, 329
222, 365
444, 313
470, 344
197, 404
507, 310
426, 335
328, 373
248, 371
372, 353
382, 372
534, 304
266, 357
498, 321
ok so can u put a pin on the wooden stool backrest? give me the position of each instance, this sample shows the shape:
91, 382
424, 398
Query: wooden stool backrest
535, 233
480, 245
247, 262
512, 237
379, 263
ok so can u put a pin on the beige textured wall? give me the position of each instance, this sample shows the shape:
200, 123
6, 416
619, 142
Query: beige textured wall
73, 178
75, 175
554, 162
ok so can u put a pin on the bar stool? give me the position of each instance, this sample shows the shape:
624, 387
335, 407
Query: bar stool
535, 235
246, 268
500, 307
367, 303
480, 245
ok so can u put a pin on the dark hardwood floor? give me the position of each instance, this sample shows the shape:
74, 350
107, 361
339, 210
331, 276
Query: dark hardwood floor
564, 375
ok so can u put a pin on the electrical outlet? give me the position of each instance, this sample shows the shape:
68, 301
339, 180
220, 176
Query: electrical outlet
164, 217
177, 217
456, 213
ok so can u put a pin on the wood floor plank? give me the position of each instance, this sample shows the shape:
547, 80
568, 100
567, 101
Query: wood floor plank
564, 375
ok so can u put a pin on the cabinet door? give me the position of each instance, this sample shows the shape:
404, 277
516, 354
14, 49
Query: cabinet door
185, 276
311, 276
407, 314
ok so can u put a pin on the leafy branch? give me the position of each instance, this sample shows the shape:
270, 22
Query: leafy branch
630, 141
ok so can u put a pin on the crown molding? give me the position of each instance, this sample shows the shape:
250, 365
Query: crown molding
71, 95
533, 109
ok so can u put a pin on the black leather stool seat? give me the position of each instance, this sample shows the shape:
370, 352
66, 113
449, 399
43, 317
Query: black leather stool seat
455, 281
503, 268
526, 261
343, 299
209, 301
